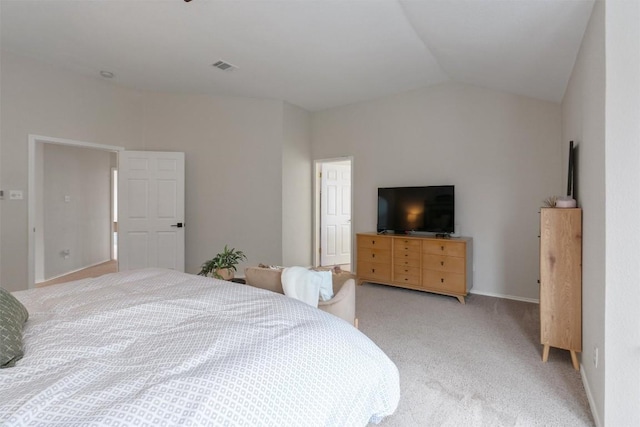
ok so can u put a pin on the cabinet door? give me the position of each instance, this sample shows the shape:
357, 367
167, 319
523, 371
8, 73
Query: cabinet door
561, 278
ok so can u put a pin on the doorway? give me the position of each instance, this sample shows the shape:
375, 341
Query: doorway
114, 213
333, 213
64, 249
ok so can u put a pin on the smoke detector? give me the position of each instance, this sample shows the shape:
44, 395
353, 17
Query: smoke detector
224, 66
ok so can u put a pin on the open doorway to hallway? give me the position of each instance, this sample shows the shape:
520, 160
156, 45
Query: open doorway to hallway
333, 219
70, 206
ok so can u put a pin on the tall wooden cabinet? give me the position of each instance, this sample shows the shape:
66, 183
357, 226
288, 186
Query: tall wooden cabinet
561, 281
422, 263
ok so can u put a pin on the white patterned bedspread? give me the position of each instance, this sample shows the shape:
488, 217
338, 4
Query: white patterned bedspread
157, 347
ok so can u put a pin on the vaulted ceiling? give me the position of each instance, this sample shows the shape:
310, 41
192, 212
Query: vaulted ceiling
315, 54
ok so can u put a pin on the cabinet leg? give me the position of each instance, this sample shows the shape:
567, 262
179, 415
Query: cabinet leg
574, 360
545, 353
461, 299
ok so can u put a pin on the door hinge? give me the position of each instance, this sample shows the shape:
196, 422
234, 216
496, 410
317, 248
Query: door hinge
320, 175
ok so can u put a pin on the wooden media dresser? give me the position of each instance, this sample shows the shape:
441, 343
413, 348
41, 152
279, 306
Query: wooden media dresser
423, 263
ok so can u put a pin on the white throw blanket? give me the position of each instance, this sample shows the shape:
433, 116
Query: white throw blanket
307, 285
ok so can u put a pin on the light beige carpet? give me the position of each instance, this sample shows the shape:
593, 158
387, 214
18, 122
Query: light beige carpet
477, 364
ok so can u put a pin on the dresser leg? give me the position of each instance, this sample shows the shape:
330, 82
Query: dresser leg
461, 299
545, 353
574, 360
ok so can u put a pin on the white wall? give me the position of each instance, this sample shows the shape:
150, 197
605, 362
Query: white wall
80, 224
601, 111
622, 180
235, 152
1, 182
43, 100
501, 151
583, 113
296, 187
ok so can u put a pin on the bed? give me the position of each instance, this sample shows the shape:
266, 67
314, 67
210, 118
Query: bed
158, 347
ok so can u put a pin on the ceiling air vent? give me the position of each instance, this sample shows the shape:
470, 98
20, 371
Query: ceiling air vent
224, 66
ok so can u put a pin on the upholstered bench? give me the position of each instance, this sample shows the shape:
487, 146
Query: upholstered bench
343, 303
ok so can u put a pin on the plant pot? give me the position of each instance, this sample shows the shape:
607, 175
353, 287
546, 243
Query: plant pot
225, 273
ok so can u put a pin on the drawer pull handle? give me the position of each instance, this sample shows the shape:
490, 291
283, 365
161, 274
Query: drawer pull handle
406, 271
373, 270
441, 280
406, 254
406, 279
373, 242
442, 248
442, 263
373, 255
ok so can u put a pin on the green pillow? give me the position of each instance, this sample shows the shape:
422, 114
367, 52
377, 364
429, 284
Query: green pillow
12, 317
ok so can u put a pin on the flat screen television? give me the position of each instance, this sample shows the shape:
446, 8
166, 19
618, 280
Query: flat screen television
424, 209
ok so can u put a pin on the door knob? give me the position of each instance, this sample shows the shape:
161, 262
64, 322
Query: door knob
179, 225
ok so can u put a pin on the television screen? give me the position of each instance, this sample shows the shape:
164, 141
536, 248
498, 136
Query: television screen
428, 209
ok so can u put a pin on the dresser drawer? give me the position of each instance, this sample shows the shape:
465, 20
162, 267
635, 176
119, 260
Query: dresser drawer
407, 271
443, 248
374, 255
411, 245
406, 262
444, 281
374, 271
443, 263
399, 255
378, 242
407, 279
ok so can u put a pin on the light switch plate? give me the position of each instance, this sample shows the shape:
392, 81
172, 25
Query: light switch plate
15, 195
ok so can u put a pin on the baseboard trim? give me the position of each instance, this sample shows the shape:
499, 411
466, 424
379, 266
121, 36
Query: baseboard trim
503, 296
592, 403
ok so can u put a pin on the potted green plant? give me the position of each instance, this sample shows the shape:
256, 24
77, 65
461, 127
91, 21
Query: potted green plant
223, 265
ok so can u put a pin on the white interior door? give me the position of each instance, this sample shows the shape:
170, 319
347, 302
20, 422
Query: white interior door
151, 210
335, 213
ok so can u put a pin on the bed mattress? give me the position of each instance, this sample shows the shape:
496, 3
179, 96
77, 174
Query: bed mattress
158, 347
